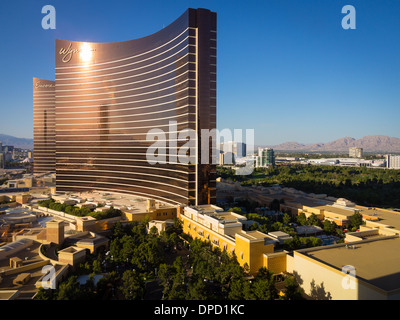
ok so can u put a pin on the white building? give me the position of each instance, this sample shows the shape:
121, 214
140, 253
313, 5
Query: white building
393, 161
355, 152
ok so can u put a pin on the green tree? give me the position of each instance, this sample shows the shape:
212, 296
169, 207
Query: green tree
356, 221
236, 210
292, 244
165, 275
264, 285
329, 227
240, 290
313, 220
97, 266
292, 289
117, 230
197, 289
45, 294
132, 287
301, 219
286, 218
69, 289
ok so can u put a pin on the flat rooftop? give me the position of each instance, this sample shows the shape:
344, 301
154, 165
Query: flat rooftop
129, 203
390, 218
206, 208
340, 211
311, 202
29, 254
253, 235
376, 262
226, 217
7, 294
85, 238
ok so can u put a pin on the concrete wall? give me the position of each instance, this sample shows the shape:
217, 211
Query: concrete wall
42, 256
58, 213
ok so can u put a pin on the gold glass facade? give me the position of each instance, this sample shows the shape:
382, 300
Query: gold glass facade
108, 97
44, 142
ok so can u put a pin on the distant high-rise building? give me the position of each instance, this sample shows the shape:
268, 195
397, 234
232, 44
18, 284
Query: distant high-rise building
44, 125
355, 152
265, 158
226, 158
393, 161
8, 149
237, 148
2, 160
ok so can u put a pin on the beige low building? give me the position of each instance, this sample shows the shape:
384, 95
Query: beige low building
366, 266
152, 211
72, 256
91, 241
364, 270
85, 223
23, 198
161, 225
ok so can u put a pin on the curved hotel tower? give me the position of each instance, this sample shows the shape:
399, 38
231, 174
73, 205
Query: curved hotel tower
108, 97
44, 122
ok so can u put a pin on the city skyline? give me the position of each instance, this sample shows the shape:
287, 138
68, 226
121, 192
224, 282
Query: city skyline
330, 82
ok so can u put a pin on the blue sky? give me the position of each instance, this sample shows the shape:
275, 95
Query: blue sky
285, 68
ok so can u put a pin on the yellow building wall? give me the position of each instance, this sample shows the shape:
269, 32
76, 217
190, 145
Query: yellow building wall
136, 216
250, 253
157, 214
164, 213
242, 251
313, 210
337, 218
276, 263
331, 280
207, 234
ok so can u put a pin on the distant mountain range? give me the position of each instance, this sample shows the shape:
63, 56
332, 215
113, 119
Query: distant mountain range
373, 143
23, 143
